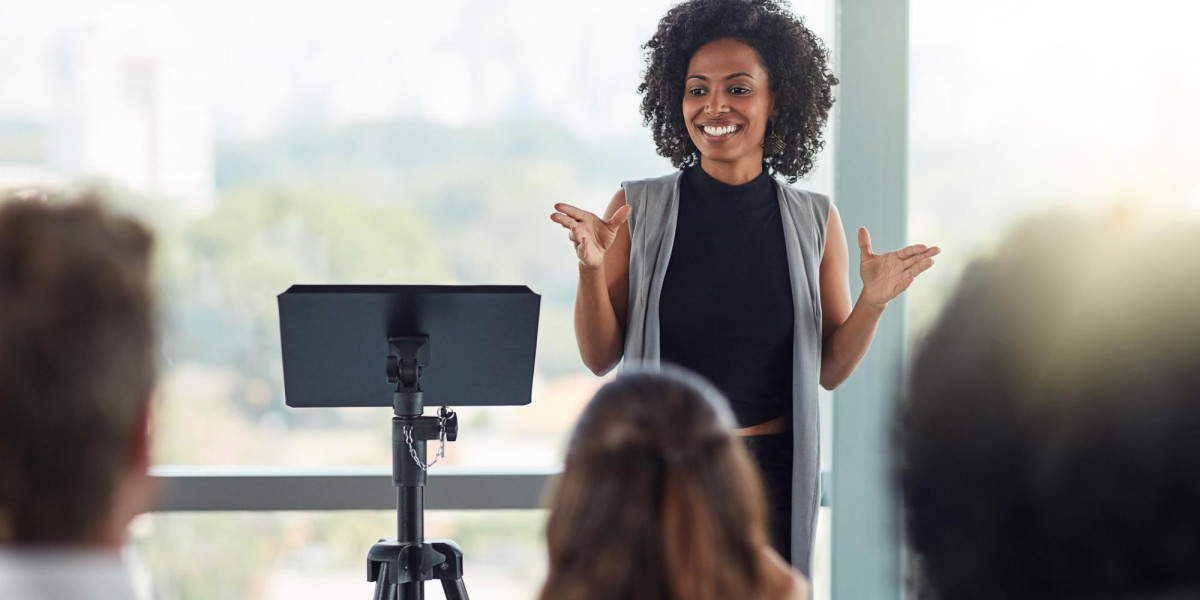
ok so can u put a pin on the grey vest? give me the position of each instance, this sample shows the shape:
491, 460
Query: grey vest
655, 204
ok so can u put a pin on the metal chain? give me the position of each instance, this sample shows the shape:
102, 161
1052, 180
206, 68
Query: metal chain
441, 453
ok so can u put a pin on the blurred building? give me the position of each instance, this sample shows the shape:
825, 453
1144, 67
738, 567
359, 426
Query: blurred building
134, 106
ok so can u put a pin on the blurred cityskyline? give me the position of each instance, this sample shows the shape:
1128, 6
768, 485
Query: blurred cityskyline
140, 91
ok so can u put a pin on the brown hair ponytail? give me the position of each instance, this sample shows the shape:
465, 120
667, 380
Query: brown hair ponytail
657, 499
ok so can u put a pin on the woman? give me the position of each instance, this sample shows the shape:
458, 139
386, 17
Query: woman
658, 500
757, 296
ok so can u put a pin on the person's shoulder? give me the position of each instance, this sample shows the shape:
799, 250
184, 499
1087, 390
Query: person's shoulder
782, 581
803, 203
796, 588
669, 178
803, 196
36, 573
646, 191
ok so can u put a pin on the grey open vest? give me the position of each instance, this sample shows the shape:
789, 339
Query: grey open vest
655, 208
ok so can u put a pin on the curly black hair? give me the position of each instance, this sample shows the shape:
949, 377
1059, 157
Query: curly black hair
1047, 446
796, 62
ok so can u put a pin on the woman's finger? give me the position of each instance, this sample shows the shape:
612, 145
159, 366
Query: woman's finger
919, 268
864, 241
619, 217
564, 220
571, 211
911, 251
928, 253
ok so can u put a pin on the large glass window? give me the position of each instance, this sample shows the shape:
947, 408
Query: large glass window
321, 555
365, 143
273, 143
1024, 107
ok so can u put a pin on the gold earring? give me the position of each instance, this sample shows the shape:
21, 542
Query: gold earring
774, 144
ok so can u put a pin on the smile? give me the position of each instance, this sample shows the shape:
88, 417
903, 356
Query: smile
721, 131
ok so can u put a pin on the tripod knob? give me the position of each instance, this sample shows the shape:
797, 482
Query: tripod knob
450, 418
393, 369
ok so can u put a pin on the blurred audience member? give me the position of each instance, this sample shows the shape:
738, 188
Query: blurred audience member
1049, 445
77, 369
659, 500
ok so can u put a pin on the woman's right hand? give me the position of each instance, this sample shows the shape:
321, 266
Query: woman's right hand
592, 235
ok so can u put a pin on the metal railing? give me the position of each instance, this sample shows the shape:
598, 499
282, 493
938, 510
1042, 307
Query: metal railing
347, 488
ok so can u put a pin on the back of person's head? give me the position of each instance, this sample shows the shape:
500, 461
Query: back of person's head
1049, 445
77, 367
657, 499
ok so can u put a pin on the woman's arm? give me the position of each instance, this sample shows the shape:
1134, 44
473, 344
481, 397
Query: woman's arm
603, 293
847, 332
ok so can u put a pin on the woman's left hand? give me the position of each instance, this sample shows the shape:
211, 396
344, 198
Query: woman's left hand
886, 276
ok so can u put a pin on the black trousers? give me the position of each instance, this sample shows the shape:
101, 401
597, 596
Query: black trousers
773, 455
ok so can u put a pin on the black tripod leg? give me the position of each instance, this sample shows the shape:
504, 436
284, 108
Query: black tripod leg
454, 589
413, 590
383, 589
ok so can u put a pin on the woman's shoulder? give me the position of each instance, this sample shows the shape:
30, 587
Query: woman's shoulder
803, 196
808, 207
650, 191
641, 187
783, 582
668, 179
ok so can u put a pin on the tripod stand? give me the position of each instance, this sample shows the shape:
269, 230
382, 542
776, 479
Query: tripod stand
332, 340
400, 566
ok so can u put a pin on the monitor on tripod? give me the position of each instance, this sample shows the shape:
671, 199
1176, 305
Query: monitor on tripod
405, 347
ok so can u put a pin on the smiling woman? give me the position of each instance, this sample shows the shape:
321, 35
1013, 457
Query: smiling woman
722, 269
726, 108
779, 45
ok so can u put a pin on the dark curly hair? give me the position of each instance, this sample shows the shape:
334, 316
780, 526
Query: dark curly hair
796, 62
1048, 445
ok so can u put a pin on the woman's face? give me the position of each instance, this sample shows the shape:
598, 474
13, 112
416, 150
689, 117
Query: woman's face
727, 102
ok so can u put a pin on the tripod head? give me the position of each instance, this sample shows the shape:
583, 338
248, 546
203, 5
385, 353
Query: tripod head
407, 358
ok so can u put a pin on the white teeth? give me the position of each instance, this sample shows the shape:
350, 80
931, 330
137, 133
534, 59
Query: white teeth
719, 131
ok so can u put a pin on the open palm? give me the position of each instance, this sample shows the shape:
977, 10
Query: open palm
592, 235
886, 276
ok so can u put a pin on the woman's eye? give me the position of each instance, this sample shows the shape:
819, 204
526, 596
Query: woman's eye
696, 92
739, 90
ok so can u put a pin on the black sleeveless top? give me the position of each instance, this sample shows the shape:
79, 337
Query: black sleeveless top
726, 308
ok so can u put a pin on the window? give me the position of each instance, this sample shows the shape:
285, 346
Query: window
284, 556
373, 142
1024, 107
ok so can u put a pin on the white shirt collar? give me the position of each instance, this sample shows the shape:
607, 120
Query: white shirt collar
63, 573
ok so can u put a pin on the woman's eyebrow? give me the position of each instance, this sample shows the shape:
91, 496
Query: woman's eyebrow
727, 77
